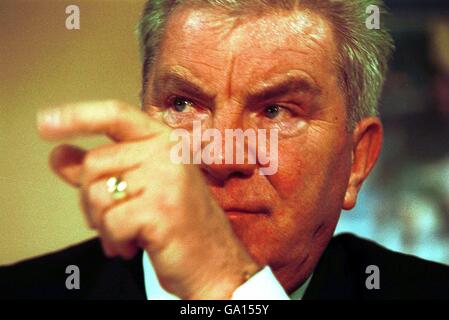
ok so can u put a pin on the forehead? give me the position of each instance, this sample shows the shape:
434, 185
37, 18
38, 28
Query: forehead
248, 44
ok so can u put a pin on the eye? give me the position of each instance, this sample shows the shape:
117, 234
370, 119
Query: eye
180, 104
272, 112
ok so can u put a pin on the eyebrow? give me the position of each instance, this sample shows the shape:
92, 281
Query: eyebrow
189, 85
192, 87
298, 84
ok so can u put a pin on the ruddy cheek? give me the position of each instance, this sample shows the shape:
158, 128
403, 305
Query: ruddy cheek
288, 178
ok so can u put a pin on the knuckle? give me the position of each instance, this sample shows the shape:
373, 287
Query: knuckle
91, 166
156, 234
89, 162
150, 237
94, 199
109, 224
110, 219
119, 225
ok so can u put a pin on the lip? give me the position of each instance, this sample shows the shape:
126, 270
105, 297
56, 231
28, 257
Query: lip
236, 212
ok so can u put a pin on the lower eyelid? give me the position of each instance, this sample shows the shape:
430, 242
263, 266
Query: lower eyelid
185, 116
291, 128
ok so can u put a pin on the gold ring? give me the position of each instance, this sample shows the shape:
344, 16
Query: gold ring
116, 187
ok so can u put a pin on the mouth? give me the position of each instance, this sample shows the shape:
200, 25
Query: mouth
240, 212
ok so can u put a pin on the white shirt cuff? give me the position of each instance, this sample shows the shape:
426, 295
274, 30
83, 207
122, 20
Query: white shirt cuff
261, 286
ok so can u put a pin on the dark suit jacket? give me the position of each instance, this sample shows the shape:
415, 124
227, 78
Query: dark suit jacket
340, 274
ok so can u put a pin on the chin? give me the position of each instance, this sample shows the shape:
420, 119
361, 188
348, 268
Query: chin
293, 258
261, 238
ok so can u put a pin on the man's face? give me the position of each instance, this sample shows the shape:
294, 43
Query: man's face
233, 72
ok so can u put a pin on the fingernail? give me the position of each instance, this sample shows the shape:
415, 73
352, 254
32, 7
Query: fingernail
49, 117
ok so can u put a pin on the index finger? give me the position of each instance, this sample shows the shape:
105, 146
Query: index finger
117, 120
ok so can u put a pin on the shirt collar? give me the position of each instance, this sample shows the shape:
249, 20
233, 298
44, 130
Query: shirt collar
154, 290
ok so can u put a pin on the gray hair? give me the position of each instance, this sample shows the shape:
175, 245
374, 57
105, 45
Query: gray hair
363, 55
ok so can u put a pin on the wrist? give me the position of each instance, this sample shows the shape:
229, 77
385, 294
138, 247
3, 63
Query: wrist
226, 283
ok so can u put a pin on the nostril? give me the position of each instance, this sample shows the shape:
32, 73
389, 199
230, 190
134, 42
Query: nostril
219, 174
238, 174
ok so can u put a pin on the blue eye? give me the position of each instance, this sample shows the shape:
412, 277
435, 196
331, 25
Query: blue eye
272, 112
180, 104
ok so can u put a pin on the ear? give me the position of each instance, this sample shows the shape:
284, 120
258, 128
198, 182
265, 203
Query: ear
367, 142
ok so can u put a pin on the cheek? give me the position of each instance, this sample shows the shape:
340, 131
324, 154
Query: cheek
296, 170
311, 179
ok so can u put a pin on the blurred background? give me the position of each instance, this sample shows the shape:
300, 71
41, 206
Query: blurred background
404, 205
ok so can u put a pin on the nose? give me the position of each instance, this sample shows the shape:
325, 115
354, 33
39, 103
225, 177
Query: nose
237, 155
235, 158
219, 173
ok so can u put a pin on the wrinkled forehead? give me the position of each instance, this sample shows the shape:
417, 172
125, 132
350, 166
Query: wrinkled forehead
202, 27
241, 49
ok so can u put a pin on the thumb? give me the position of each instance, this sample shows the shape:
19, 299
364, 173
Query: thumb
66, 161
